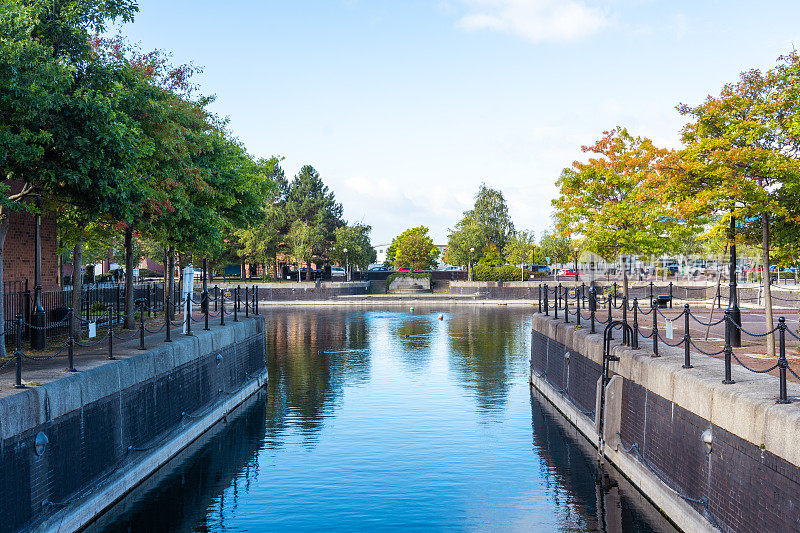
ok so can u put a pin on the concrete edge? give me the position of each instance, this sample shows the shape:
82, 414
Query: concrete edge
661, 495
129, 475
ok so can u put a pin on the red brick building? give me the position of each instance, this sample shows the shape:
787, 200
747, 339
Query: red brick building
18, 254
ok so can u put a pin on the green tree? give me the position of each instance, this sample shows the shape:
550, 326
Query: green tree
355, 239
303, 238
413, 248
63, 131
521, 248
310, 201
487, 222
556, 247
741, 156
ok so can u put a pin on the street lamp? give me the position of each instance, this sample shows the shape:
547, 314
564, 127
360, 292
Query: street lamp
733, 300
346, 267
471, 251
576, 264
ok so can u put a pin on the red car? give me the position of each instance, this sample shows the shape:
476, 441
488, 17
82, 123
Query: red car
571, 272
404, 269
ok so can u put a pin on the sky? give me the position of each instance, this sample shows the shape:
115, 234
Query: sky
405, 106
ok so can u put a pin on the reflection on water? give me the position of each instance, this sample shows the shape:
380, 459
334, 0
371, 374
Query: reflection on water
383, 419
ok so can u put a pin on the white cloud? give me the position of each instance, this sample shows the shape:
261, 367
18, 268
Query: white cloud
535, 20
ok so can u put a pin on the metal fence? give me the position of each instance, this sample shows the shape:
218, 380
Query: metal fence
94, 301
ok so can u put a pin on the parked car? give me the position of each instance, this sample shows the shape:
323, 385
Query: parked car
378, 269
404, 269
338, 272
452, 268
571, 272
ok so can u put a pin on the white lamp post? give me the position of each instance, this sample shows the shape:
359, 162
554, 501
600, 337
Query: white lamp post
471, 251
346, 267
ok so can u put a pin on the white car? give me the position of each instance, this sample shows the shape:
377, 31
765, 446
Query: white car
337, 272
451, 268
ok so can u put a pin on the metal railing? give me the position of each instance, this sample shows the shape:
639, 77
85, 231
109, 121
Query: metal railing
589, 306
239, 299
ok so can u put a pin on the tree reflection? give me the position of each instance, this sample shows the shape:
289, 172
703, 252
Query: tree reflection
413, 333
485, 345
311, 356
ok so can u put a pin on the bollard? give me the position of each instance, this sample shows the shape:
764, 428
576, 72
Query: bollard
592, 306
556, 302
246, 302
687, 354
651, 294
782, 363
655, 329
635, 338
546, 301
670, 295
608, 302
71, 343
719, 297
626, 339
188, 313
236, 305
728, 349
222, 309
255, 295
578, 309
111, 332
167, 321
216, 297
18, 354
566, 305
141, 329
583, 294
205, 314
615, 294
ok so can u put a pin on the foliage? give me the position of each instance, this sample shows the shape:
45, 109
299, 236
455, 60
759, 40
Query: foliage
504, 273
557, 247
520, 248
491, 256
488, 222
355, 239
413, 248
302, 239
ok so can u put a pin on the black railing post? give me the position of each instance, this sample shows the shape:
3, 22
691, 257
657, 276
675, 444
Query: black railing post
188, 313
566, 305
71, 342
655, 329
651, 294
615, 294
556, 298
782, 363
167, 320
540, 297
577, 308
255, 296
141, 327
635, 338
592, 306
238, 298
728, 349
111, 331
216, 297
236, 304
18, 354
119, 295
546, 300
687, 338
608, 301
150, 299
246, 302
670, 295
626, 337
205, 313
719, 297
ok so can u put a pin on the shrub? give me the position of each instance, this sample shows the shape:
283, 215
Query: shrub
505, 273
98, 308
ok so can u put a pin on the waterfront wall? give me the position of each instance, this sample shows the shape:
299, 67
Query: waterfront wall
109, 427
656, 414
280, 292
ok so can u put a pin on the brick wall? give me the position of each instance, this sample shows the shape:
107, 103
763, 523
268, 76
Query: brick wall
18, 254
737, 486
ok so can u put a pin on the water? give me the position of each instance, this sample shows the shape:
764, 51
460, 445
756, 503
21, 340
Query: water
388, 419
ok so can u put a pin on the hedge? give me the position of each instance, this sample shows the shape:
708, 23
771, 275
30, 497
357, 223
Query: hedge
505, 273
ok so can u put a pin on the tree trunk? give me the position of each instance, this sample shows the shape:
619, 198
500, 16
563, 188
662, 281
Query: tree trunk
308, 270
8, 334
60, 260
77, 285
129, 308
767, 291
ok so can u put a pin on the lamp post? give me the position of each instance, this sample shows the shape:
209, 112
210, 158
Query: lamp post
576, 264
346, 267
38, 320
733, 303
471, 251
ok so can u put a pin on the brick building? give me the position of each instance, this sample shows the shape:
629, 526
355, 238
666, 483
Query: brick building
18, 254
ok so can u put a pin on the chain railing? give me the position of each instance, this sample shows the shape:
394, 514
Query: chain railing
558, 300
111, 316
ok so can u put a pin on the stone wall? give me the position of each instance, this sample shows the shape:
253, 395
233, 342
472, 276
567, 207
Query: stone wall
749, 480
270, 292
103, 420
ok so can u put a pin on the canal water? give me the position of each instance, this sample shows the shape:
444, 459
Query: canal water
385, 419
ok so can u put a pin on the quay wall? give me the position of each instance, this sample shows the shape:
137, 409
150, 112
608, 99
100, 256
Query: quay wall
104, 430
281, 292
656, 413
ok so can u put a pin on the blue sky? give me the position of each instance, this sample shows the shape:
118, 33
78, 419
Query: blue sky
404, 107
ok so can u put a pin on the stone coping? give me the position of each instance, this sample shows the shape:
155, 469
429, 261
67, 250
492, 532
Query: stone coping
34, 406
746, 408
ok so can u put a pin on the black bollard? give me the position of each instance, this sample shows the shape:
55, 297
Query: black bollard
71, 343
655, 329
782, 362
18, 354
728, 349
205, 313
687, 339
167, 320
